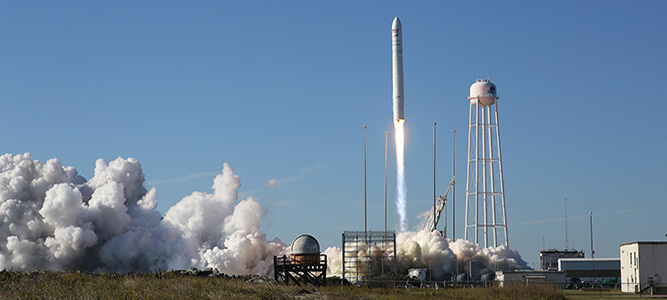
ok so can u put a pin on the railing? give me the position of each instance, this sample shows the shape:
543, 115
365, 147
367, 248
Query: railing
301, 271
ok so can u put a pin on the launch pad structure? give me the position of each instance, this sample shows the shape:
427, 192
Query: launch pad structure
368, 255
306, 264
311, 271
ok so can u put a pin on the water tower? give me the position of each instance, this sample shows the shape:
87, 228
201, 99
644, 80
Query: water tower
486, 218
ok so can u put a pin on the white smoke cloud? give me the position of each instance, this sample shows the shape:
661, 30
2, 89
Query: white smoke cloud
52, 218
429, 249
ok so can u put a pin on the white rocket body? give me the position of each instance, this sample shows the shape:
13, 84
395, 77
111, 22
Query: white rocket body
397, 67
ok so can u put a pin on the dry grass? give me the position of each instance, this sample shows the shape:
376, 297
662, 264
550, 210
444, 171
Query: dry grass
62, 285
614, 294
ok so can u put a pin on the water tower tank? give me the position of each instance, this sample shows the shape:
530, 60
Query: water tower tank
305, 249
484, 91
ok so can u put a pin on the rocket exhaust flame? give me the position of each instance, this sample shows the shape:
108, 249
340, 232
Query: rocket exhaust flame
401, 189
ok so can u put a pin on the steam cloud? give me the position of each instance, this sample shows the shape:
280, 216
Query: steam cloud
429, 249
52, 218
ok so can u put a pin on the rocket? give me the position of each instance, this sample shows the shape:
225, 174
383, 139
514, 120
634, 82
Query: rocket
397, 68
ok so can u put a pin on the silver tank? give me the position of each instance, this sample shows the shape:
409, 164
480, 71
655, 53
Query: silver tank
305, 244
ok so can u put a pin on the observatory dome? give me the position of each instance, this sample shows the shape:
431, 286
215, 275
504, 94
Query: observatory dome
484, 91
305, 244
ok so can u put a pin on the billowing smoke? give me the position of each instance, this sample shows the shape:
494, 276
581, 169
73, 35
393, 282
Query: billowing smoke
401, 189
429, 249
52, 218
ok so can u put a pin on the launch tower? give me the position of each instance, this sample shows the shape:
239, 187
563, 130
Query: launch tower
486, 218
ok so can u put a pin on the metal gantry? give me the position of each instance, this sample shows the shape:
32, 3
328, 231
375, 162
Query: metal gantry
486, 216
439, 206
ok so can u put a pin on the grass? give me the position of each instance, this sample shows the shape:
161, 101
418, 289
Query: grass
80, 285
605, 295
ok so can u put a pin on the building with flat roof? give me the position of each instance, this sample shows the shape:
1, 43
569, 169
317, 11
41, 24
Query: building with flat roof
590, 267
644, 267
549, 258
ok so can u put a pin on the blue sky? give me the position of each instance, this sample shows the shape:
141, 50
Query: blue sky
281, 90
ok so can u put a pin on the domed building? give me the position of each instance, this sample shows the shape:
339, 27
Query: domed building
304, 249
306, 264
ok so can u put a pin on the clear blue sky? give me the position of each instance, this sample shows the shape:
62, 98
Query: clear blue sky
282, 89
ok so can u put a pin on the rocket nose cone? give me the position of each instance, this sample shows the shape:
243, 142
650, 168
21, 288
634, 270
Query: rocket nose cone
396, 23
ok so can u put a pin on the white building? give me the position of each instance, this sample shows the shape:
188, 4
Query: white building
644, 264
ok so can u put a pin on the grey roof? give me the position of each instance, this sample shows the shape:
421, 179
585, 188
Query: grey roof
305, 244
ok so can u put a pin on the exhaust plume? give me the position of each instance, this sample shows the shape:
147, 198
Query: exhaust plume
401, 189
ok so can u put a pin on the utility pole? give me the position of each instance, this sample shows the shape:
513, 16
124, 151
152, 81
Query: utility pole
434, 221
454, 186
590, 214
365, 209
386, 138
566, 244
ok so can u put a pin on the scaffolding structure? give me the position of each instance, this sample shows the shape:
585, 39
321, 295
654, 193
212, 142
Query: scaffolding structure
368, 255
312, 271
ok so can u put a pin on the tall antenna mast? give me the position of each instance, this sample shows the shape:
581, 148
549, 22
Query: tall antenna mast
590, 214
454, 186
566, 244
386, 135
365, 210
435, 224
